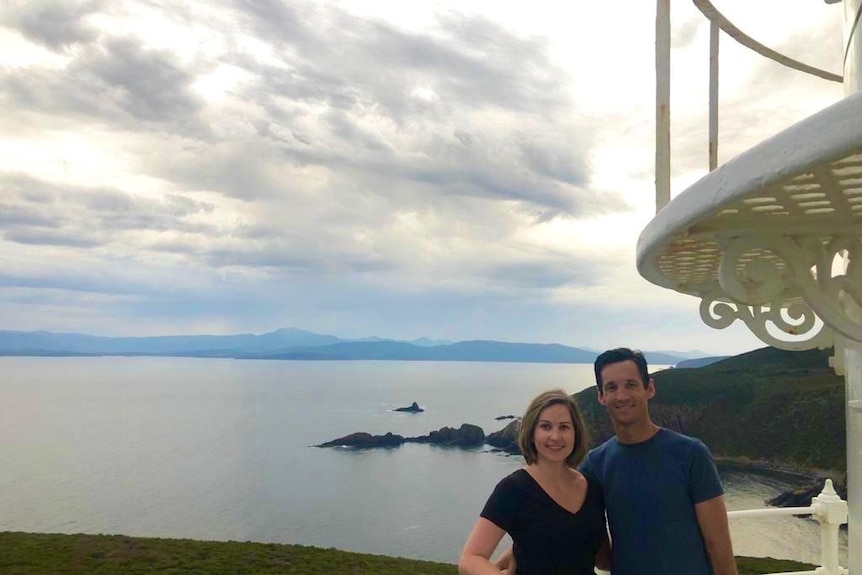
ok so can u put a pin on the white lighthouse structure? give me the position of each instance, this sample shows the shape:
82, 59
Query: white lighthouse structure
773, 237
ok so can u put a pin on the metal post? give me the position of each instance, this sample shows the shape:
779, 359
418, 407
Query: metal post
831, 513
852, 352
662, 98
713, 94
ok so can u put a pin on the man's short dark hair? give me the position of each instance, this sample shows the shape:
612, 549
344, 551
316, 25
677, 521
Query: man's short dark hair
616, 356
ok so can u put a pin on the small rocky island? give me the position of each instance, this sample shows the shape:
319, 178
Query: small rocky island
465, 436
412, 408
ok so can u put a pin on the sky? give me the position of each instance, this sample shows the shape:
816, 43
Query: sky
455, 170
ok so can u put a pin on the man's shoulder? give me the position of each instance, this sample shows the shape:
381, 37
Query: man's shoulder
598, 454
678, 446
674, 437
603, 447
671, 438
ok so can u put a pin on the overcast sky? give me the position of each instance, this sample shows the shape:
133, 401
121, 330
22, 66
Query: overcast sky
456, 170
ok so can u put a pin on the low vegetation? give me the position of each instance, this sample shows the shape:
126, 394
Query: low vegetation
51, 554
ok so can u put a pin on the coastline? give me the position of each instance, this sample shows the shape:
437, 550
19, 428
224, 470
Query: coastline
795, 472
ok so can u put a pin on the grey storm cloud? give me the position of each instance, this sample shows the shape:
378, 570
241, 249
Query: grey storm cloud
351, 63
36, 212
114, 81
56, 24
353, 68
52, 237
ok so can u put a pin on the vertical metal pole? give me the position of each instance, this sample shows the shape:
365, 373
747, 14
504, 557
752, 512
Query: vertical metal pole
853, 350
852, 47
662, 99
713, 95
831, 513
853, 389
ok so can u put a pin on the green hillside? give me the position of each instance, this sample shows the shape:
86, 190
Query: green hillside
783, 408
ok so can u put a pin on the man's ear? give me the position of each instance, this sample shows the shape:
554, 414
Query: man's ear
601, 397
650, 390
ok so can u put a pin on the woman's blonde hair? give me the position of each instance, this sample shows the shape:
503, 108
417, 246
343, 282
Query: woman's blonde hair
531, 419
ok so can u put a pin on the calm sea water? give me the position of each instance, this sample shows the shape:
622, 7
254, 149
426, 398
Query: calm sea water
220, 449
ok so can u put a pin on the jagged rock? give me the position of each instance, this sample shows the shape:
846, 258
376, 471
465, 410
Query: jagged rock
465, 435
507, 438
414, 408
801, 496
365, 440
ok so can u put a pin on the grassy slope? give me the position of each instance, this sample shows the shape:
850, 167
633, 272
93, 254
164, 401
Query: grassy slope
785, 408
43, 554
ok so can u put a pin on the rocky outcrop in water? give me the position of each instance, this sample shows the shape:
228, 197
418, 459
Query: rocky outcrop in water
507, 438
467, 435
365, 440
801, 496
412, 408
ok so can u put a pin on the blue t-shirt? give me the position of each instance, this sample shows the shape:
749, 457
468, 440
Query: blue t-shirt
650, 490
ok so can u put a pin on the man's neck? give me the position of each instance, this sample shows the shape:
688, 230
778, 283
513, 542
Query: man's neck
636, 433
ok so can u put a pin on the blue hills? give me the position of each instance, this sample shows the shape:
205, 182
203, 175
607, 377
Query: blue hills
298, 344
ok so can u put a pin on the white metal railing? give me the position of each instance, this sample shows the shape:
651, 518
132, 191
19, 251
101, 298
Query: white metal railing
718, 22
829, 510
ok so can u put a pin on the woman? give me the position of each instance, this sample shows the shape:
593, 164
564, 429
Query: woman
554, 514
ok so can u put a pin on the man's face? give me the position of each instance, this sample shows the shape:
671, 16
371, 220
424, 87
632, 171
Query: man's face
624, 394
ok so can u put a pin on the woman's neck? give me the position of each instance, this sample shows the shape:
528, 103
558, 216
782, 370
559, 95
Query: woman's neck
551, 470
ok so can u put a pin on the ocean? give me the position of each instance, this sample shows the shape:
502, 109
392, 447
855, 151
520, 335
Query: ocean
221, 449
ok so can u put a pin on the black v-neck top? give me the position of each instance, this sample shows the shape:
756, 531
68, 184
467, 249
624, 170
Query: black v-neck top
548, 539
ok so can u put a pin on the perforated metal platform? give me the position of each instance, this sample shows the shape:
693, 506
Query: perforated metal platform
765, 227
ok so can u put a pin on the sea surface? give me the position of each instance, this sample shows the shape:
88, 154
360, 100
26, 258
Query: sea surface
220, 449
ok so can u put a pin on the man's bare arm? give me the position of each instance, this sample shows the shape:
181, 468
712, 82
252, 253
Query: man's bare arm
712, 520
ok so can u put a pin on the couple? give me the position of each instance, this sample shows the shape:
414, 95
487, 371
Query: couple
660, 490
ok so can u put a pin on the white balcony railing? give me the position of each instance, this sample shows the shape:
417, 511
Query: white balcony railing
829, 510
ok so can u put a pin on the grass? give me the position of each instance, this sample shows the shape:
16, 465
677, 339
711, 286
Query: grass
52, 554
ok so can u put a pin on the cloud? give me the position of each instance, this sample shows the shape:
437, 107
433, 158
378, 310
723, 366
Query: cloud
38, 212
256, 164
56, 24
113, 81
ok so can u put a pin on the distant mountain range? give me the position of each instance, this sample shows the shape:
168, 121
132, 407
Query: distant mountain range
298, 344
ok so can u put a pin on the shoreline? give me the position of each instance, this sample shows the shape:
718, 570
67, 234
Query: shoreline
806, 475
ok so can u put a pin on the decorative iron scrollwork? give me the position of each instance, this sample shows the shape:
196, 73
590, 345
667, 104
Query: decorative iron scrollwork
788, 283
796, 320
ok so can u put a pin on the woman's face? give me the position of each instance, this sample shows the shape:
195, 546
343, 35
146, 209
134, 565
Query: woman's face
554, 435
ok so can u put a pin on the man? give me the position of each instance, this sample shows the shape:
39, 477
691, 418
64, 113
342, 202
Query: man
663, 496
662, 492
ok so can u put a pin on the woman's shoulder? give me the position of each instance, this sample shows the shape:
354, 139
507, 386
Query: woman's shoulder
517, 481
518, 477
